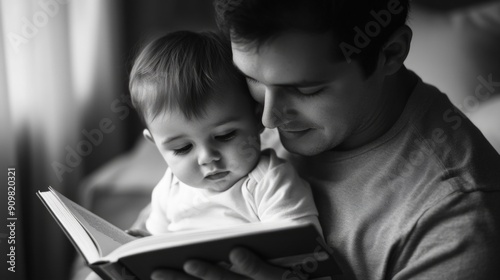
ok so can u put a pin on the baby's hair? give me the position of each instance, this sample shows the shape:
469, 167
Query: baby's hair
179, 72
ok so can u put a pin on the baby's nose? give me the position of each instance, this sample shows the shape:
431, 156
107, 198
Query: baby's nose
208, 155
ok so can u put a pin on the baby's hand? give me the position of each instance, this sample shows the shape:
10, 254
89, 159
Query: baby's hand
138, 232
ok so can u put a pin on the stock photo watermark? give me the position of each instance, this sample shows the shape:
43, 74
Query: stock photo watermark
453, 119
372, 29
91, 138
30, 27
11, 221
310, 263
429, 146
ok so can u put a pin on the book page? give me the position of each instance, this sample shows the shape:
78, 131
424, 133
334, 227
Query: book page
106, 236
182, 238
70, 225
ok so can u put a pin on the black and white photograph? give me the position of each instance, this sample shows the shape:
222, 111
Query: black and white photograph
250, 139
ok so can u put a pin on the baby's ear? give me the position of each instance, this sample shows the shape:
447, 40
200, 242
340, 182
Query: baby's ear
147, 134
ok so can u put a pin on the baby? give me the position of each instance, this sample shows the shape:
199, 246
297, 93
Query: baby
199, 114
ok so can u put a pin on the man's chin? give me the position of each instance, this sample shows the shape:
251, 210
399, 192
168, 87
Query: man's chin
301, 147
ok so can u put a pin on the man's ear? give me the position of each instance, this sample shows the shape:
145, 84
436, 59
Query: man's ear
147, 134
395, 50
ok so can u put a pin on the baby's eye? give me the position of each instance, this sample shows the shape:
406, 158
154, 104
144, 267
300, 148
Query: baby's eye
183, 150
226, 137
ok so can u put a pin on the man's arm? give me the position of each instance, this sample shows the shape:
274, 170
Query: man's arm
456, 239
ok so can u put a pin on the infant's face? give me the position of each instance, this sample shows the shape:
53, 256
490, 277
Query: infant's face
216, 150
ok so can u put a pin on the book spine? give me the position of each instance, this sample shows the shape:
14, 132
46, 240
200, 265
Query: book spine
113, 271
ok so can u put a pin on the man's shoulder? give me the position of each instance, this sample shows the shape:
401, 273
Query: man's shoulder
462, 229
461, 153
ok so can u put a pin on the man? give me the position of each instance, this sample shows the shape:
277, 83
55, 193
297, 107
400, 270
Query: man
406, 187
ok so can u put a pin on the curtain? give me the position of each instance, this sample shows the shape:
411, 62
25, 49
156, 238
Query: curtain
62, 111
7, 161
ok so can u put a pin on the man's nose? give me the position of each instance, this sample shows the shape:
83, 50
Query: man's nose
208, 155
275, 109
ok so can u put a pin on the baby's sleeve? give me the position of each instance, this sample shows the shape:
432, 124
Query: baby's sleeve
280, 194
157, 222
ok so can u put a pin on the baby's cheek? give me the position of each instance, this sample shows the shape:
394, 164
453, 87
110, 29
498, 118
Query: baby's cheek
246, 154
186, 170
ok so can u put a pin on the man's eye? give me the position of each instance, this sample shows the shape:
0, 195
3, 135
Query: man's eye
226, 137
250, 80
311, 90
183, 150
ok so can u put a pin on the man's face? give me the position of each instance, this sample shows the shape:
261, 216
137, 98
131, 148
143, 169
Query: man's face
315, 100
216, 150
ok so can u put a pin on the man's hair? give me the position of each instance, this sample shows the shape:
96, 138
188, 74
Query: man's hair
255, 22
180, 71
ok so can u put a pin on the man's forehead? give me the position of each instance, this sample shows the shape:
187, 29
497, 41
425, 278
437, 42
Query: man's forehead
287, 58
289, 44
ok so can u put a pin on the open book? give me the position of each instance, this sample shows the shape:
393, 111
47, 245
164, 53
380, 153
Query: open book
113, 254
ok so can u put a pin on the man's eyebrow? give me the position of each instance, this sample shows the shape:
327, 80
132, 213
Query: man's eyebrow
303, 83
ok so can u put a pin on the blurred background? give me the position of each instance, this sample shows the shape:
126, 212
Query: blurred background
66, 120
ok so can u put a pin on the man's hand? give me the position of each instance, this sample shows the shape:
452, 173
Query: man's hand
245, 265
